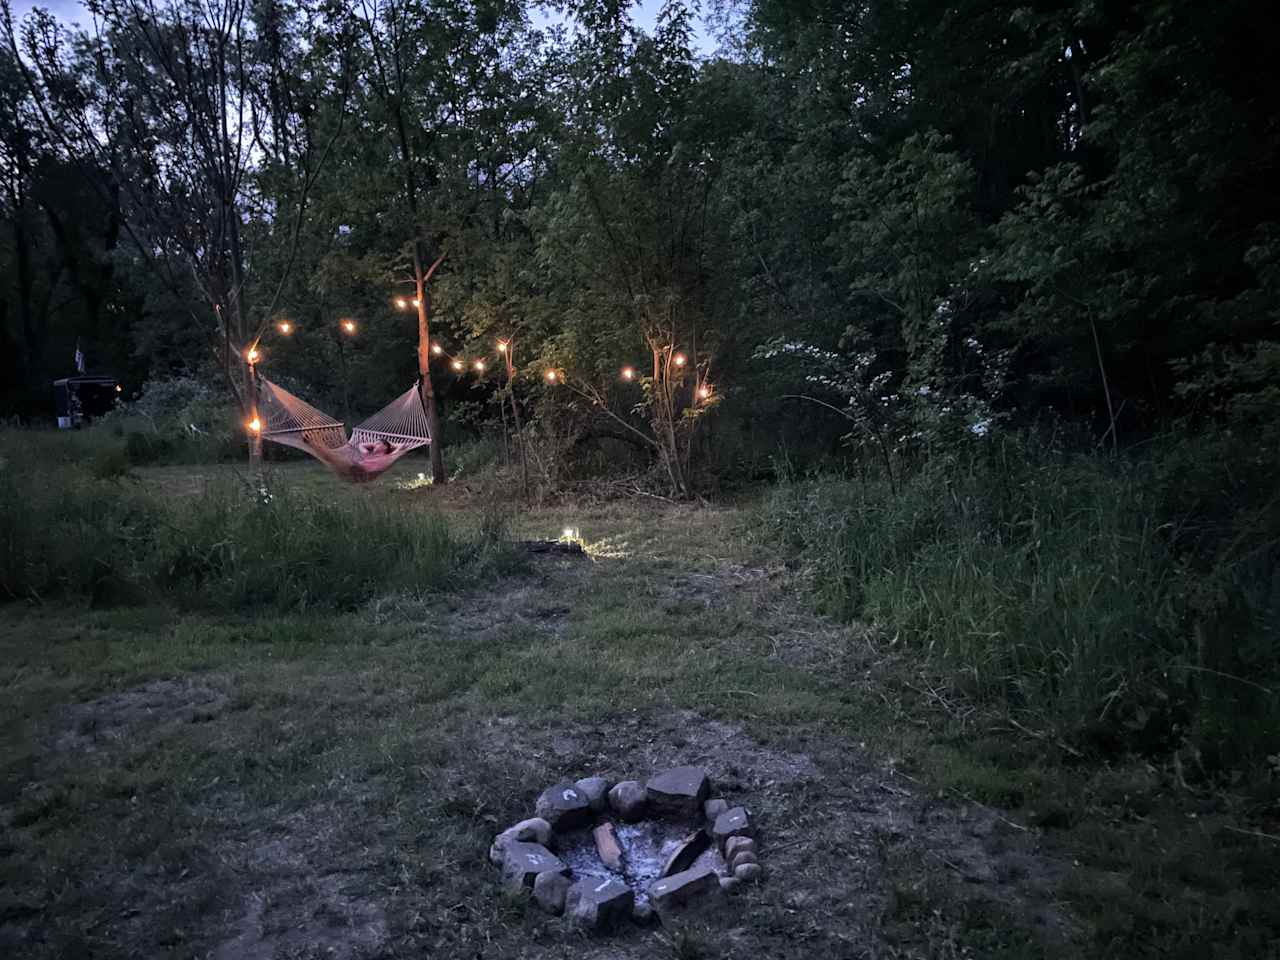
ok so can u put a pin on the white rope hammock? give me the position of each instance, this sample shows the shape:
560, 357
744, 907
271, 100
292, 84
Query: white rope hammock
373, 446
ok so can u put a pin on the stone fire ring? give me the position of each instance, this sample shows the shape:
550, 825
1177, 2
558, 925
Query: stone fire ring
602, 853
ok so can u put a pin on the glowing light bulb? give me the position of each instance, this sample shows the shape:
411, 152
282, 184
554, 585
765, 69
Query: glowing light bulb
416, 302
255, 424
479, 366
437, 349
502, 346
422, 476
628, 373
568, 533
678, 359
704, 392
252, 355
457, 364
551, 376
119, 389
285, 327
349, 326
401, 302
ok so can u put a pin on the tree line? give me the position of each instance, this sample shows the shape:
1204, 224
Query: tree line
875, 228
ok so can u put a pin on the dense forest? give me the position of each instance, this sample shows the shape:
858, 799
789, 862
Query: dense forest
989, 287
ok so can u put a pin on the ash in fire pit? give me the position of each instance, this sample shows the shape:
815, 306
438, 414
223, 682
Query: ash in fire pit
600, 853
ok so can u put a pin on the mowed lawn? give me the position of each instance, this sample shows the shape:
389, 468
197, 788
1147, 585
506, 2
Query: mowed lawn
327, 785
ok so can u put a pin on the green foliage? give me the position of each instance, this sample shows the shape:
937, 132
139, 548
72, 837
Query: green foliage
1120, 602
65, 533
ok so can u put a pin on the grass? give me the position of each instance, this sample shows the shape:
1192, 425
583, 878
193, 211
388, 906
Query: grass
187, 772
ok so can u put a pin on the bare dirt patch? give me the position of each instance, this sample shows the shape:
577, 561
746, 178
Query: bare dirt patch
119, 716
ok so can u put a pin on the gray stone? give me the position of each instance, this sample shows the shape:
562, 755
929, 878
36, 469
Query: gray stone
677, 892
522, 862
598, 904
690, 849
747, 872
596, 790
642, 912
729, 884
735, 845
743, 856
534, 830
732, 823
563, 806
678, 792
549, 891
628, 800
713, 808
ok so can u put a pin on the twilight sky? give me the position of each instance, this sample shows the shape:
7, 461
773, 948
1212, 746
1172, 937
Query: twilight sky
645, 14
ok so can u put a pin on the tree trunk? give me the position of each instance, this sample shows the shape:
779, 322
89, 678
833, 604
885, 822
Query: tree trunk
426, 389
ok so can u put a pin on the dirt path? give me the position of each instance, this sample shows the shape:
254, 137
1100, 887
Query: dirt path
294, 790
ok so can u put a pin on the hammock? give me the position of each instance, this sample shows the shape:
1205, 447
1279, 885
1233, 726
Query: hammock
373, 446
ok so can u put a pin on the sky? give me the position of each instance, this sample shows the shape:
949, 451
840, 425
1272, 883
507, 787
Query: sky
645, 14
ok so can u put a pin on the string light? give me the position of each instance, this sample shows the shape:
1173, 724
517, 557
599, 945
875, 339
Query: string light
551, 376
401, 303
628, 373
678, 359
119, 389
502, 346
479, 366
255, 425
349, 326
704, 392
437, 349
285, 327
252, 355
416, 302
457, 365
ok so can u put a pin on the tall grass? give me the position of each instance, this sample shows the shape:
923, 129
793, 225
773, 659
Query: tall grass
1127, 603
85, 527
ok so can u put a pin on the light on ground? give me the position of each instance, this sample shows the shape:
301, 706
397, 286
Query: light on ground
119, 389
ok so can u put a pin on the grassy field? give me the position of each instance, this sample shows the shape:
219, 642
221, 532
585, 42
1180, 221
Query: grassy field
283, 779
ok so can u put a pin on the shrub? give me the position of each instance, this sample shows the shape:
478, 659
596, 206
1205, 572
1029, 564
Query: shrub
1126, 602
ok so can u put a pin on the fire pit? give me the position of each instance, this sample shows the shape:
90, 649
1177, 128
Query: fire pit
601, 853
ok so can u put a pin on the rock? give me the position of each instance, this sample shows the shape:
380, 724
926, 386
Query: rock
735, 845
524, 861
713, 808
690, 849
607, 846
676, 892
563, 806
598, 904
596, 790
729, 884
747, 872
549, 891
678, 792
534, 830
732, 823
642, 912
744, 856
628, 800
